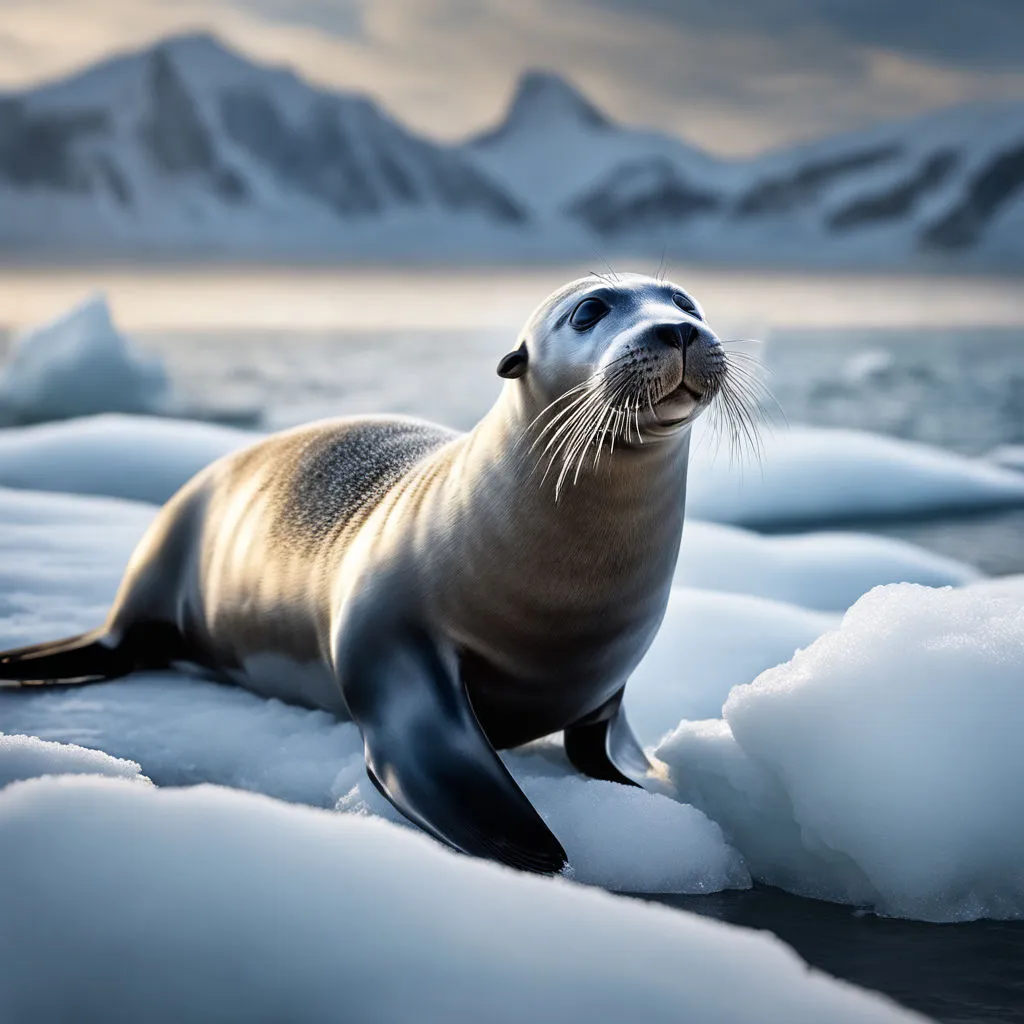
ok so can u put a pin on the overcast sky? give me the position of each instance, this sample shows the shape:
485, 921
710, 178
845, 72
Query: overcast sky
736, 76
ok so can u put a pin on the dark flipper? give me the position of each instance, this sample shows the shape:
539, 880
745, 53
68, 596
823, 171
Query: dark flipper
603, 746
92, 657
426, 752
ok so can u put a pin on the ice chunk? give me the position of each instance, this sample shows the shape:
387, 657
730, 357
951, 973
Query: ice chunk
79, 364
208, 904
879, 765
708, 643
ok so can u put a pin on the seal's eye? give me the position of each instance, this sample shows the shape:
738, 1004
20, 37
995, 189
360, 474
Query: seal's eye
687, 305
587, 313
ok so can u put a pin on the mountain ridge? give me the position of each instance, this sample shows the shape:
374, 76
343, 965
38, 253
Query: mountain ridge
188, 146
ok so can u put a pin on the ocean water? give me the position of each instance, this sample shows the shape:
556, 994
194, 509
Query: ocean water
934, 360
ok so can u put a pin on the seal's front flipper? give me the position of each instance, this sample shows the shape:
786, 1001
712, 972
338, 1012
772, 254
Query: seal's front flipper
425, 750
602, 745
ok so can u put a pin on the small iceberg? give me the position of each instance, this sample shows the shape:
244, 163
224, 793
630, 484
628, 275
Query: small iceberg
79, 364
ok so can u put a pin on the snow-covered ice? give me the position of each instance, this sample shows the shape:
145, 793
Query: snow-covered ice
29, 757
880, 766
871, 768
709, 643
134, 457
209, 904
79, 364
809, 475
827, 571
819, 475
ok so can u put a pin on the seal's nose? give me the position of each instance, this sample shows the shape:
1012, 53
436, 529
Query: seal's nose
679, 336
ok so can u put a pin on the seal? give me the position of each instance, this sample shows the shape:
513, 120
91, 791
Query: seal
452, 594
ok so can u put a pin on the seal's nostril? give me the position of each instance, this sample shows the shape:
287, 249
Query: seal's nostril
669, 334
689, 335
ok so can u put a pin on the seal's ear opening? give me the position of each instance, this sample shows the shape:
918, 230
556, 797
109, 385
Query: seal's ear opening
514, 364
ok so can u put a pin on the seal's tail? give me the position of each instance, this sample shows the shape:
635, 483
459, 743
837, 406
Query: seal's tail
91, 657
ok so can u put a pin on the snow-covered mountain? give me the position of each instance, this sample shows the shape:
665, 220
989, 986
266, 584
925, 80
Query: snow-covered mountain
188, 148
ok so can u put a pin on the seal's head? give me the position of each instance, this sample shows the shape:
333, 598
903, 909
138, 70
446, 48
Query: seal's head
636, 348
619, 361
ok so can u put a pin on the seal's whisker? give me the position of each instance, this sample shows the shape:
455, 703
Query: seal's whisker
576, 445
583, 436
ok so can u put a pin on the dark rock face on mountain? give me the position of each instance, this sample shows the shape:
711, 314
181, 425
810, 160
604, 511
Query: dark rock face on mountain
640, 195
174, 134
38, 150
899, 200
999, 181
807, 181
350, 156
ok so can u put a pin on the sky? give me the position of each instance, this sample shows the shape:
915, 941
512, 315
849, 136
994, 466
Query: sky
735, 76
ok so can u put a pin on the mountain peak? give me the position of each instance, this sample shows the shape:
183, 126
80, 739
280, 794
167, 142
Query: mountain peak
541, 99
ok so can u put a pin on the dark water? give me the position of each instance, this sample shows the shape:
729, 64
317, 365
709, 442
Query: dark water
960, 389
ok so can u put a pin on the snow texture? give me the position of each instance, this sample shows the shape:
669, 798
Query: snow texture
877, 766
28, 757
809, 475
252, 910
78, 364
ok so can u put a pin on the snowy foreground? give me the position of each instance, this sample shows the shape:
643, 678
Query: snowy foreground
865, 758
208, 904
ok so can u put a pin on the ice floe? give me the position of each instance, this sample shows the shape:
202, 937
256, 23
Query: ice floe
827, 571
879, 766
818, 475
209, 904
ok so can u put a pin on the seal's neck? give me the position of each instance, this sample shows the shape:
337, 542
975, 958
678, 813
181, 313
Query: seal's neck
632, 500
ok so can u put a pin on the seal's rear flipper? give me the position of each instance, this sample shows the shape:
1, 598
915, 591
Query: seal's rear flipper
92, 657
603, 746
425, 750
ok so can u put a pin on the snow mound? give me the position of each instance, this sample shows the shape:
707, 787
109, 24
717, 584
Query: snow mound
28, 757
185, 731
617, 837
879, 767
134, 457
79, 364
815, 475
708, 643
273, 912
826, 571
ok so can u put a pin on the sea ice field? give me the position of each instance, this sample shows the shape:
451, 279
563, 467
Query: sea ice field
837, 704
